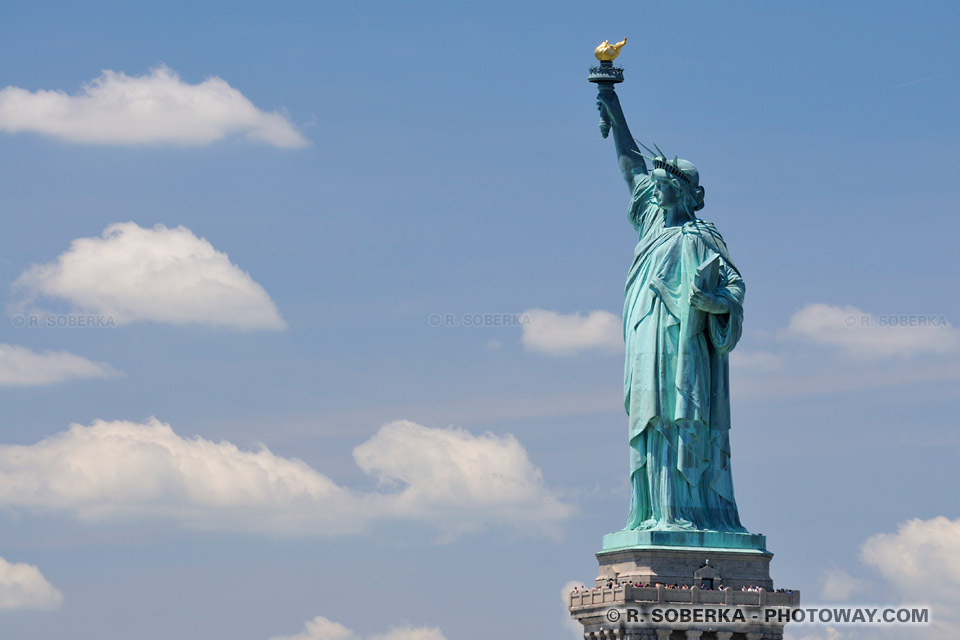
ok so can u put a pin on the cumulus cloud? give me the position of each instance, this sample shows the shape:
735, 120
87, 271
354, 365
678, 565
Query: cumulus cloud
123, 471
839, 586
756, 361
869, 335
921, 560
22, 586
918, 550
321, 628
410, 633
455, 476
155, 108
921, 566
568, 334
859, 350
131, 274
21, 367
118, 470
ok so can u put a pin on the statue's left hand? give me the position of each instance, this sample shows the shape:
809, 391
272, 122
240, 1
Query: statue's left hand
708, 302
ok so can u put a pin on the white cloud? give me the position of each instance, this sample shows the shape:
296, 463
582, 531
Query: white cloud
567, 334
756, 361
20, 366
123, 471
922, 555
22, 586
921, 563
155, 108
131, 274
839, 586
860, 350
410, 633
321, 628
869, 335
454, 476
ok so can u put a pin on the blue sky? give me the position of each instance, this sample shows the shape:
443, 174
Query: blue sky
267, 205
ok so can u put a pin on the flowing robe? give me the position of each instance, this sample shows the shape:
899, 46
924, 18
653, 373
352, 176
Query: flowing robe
676, 377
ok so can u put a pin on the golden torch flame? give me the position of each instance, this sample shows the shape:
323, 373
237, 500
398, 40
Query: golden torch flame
607, 51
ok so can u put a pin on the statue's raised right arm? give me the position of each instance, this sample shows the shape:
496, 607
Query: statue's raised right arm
628, 154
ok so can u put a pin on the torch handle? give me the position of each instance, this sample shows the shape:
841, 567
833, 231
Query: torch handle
604, 87
605, 77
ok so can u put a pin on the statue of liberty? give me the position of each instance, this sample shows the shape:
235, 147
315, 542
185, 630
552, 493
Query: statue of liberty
682, 315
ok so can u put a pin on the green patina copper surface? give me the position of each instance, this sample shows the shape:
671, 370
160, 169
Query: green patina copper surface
682, 315
690, 540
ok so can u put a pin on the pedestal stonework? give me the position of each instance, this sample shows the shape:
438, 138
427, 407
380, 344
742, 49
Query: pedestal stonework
700, 595
673, 565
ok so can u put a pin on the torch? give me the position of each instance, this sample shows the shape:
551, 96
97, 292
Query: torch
606, 75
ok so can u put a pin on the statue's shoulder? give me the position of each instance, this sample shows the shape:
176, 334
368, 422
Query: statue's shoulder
706, 232
702, 228
699, 224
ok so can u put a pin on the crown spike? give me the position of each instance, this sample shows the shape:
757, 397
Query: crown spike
649, 150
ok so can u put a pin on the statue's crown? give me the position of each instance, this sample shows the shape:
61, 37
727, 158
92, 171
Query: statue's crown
672, 169
682, 170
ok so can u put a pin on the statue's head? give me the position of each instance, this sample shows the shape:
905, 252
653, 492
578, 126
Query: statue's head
677, 184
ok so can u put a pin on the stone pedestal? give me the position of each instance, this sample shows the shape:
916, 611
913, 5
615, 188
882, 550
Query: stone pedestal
686, 566
708, 603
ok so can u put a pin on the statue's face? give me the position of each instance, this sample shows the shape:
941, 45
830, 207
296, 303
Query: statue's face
665, 193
